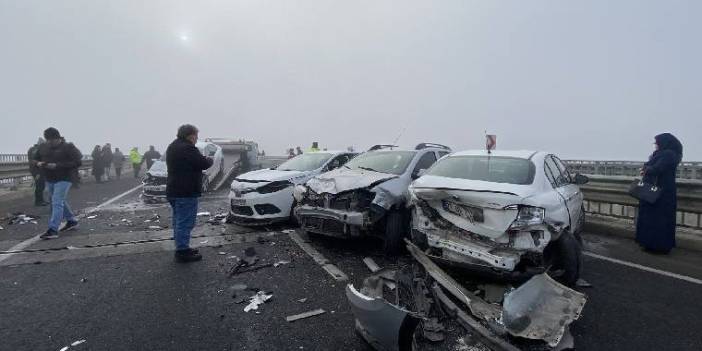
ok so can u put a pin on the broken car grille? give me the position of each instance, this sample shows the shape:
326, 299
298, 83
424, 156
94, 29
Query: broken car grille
242, 210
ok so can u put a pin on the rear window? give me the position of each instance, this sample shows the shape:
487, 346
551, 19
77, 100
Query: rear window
509, 170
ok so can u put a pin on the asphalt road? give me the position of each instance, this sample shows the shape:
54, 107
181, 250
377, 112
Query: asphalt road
114, 284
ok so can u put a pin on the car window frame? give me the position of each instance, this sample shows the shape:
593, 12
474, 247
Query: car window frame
547, 171
562, 167
415, 169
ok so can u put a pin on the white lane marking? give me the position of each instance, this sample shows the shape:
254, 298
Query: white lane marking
644, 268
333, 270
21, 246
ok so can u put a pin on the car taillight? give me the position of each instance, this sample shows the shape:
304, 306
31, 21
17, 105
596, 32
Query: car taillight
528, 216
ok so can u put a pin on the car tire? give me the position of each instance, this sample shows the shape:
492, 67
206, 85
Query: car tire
395, 228
566, 256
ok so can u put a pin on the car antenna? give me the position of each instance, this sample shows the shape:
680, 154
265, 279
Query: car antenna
394, 142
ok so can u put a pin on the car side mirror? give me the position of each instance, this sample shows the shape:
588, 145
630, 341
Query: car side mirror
580, 179
419, 173
212, 153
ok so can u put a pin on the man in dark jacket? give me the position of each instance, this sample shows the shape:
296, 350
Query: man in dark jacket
57, 160
107, 159
150, 156
185, 165
39, 182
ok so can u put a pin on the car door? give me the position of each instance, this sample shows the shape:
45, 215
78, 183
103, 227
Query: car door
570, 192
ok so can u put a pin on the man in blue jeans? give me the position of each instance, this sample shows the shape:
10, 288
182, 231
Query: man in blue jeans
57, 160
183, 188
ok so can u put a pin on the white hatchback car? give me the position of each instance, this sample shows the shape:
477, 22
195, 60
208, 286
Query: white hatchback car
266, 196
512, 212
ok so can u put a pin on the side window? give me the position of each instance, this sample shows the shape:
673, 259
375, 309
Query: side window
424, 162
337, 162
210, 150
551, 171
565, 175
443, 153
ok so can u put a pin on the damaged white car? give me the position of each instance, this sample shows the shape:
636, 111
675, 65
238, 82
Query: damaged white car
154, 181
366, 196
511, 212
265, 196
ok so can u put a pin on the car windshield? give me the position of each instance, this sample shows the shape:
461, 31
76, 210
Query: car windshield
393, 162
159, 166
305, 162
509, 170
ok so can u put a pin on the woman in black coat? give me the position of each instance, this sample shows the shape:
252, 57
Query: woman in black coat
98, 165
655, 224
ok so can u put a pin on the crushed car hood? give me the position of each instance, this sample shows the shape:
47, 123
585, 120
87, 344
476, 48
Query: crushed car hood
158, 169
271, 175
344, 179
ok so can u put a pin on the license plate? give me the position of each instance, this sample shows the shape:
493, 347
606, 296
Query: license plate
238, 202
155, 188
473, 214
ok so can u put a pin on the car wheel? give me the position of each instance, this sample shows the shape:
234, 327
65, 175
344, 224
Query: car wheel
565, 256
293, 218
395, 228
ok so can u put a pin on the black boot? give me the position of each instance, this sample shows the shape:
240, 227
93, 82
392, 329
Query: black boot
187, 255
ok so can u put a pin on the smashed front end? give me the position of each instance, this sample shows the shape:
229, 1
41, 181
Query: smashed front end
260, 202
481, 229
346, 203
154, 188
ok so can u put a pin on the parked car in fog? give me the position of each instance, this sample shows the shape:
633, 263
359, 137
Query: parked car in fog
505, 211
265, 196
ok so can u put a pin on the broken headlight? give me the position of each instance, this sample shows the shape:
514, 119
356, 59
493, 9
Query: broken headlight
274, 187
299, 192
528, 216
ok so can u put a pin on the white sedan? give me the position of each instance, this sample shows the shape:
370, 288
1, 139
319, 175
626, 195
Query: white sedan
266, 196
512, 212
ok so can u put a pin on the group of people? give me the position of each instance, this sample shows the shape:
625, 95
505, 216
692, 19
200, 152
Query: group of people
298, 151
104, 159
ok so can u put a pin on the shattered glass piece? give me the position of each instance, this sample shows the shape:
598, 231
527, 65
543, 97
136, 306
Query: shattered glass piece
541, 309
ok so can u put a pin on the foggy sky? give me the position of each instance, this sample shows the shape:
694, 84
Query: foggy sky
589, 79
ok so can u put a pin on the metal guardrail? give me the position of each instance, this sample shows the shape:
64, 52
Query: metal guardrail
14, 168
686, 170
608, 196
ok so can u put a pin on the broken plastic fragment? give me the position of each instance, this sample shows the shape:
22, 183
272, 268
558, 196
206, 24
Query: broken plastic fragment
92, 217
78, 342
280, 263
256, 300
203, 214
155, 227
305, 315
64, 348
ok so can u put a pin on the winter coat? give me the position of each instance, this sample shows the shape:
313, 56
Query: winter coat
98, 168
135, 157
655, 223
33, 169
185, 165
107, 157
118, 159
66, 157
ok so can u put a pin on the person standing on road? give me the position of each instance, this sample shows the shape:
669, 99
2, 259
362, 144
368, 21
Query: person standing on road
98, 167
183, 188
107, 159
39, 182
57, 160
655, 223
118, 161
291, 153
299, 150
136, 160
151, 156
315, 147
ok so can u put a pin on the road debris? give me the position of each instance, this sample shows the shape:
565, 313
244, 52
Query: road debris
388, 275
78, 342
1, 228
280, 263
222, 253
220, 218
582, 283
21, 218
203, 214
204, 242
305, 315
256, 300
302, 300
92, 217
64, 348
155, 227
83, 280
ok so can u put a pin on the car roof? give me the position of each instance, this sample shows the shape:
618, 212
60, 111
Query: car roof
525, 154
333, 152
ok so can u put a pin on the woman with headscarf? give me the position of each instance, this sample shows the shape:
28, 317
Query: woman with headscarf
98, 165
655, 224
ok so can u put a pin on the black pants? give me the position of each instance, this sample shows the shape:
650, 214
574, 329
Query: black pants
137, 168
118, 171
39, 185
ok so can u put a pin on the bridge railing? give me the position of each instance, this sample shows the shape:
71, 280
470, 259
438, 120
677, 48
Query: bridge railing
608, 196
686, 170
